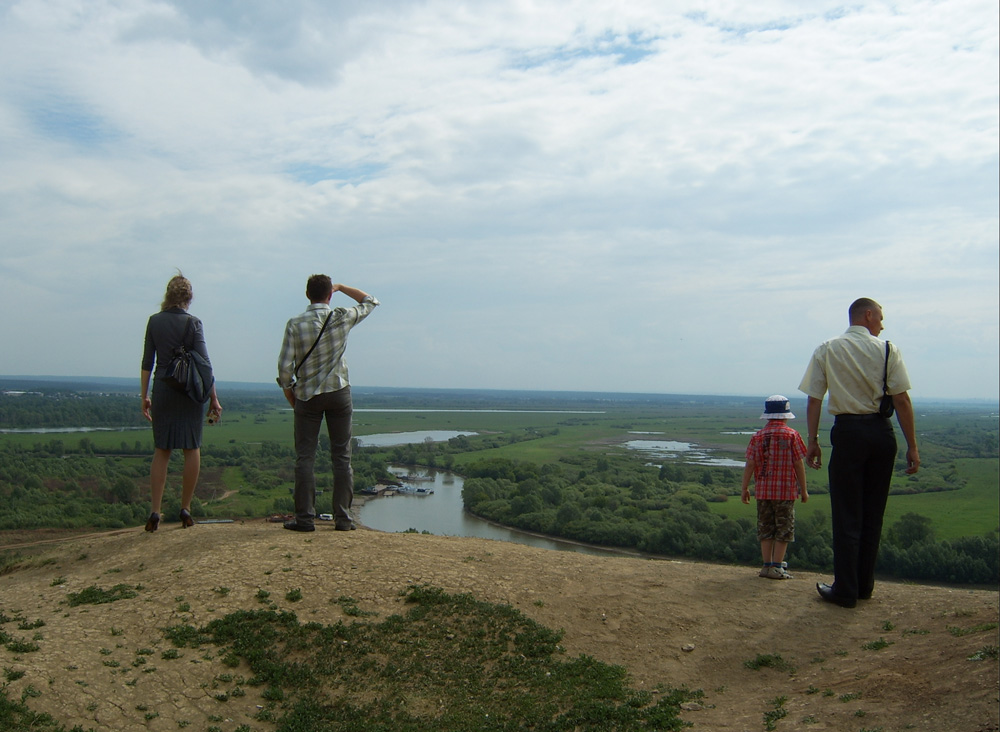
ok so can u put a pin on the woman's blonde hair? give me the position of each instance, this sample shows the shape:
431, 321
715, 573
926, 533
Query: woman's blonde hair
178, 294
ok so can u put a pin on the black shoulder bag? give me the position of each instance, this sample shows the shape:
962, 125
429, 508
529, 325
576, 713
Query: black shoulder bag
189, 372
886, 407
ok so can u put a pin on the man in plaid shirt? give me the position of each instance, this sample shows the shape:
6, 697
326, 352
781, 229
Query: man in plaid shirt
775, 462
313, 374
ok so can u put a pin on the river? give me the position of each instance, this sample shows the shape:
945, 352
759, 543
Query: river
442, 513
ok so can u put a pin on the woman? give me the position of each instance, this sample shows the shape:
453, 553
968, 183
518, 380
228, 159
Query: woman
176, 418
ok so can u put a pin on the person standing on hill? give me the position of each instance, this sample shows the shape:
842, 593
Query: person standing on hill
867, 381
774, 462
313, 374
177, 420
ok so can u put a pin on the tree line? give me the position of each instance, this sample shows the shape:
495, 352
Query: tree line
633, 507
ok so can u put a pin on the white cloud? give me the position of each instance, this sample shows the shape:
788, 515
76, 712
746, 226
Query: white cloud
543, 194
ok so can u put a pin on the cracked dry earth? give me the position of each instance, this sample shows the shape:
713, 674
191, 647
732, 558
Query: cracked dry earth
900, 661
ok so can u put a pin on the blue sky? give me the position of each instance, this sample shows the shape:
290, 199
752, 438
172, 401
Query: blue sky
661, 197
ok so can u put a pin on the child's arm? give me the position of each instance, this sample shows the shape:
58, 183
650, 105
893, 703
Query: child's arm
800, 478
747, 474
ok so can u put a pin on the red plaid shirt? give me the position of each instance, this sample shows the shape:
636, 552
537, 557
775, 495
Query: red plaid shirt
774, 451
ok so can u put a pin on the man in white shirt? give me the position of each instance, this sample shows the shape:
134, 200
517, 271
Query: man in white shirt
858, 369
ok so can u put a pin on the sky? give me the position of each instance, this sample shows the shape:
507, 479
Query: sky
579, 195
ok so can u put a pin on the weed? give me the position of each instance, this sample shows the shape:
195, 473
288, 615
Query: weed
95, 595
11, 675
888, 626
294, 595
769, 660
984, 653
959, 632
350, 607
56, 581
17, 645
221, 590
876, 645
771, 716
263, 595
851, 696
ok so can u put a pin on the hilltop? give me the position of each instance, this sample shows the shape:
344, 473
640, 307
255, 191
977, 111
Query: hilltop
899, 661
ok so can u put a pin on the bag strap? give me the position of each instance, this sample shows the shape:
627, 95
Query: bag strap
309, 352
184, 337
885, 375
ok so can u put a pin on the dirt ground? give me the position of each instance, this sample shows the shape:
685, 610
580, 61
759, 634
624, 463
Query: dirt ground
668, 622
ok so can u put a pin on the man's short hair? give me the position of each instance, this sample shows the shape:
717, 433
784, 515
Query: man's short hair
858, 308
319, 288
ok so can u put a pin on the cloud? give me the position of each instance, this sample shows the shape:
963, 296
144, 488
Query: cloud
544, 195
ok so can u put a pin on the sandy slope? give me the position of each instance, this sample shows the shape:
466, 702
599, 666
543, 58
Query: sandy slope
676, 623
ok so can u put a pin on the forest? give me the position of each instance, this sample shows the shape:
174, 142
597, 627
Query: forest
557, 472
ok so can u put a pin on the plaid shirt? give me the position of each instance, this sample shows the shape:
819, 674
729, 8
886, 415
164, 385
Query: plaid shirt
774, 451
325, 370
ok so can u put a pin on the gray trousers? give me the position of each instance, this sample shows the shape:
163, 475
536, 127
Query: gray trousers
337, 408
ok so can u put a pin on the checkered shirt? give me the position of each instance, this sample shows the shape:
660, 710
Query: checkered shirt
774, 451
325, 369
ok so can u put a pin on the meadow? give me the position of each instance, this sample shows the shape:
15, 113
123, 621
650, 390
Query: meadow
572, 449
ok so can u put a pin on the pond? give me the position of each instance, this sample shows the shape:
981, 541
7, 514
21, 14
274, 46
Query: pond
688, 452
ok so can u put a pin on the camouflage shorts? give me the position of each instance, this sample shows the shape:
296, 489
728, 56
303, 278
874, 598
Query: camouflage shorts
776, 520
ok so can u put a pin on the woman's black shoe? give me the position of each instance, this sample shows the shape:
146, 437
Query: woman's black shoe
186, 519
152, 522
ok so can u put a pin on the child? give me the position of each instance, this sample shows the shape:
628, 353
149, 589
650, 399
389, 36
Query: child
775, 461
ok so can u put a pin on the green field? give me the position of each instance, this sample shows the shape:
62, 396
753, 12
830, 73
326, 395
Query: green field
958, 448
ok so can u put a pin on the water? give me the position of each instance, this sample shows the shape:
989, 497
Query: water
67, 430
442, 513
391, 439
687, 451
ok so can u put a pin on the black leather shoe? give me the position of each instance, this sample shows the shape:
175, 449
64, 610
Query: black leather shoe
295, 526
826, 592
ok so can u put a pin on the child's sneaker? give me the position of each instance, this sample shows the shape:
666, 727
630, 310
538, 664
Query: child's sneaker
777, 573
765, 571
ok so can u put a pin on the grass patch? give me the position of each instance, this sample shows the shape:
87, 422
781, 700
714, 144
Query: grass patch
450, 663
16, 717
959, 632
769, 660
985, 653
876, 645
95, 595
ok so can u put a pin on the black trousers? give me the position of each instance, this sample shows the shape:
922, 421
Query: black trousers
861, 465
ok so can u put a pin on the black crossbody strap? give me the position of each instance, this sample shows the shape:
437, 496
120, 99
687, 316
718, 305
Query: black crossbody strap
309, 352
885, 376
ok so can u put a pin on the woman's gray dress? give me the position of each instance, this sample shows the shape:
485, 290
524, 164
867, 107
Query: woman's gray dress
177, 419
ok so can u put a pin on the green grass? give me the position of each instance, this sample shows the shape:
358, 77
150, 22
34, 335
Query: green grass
450, 663
969, 511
